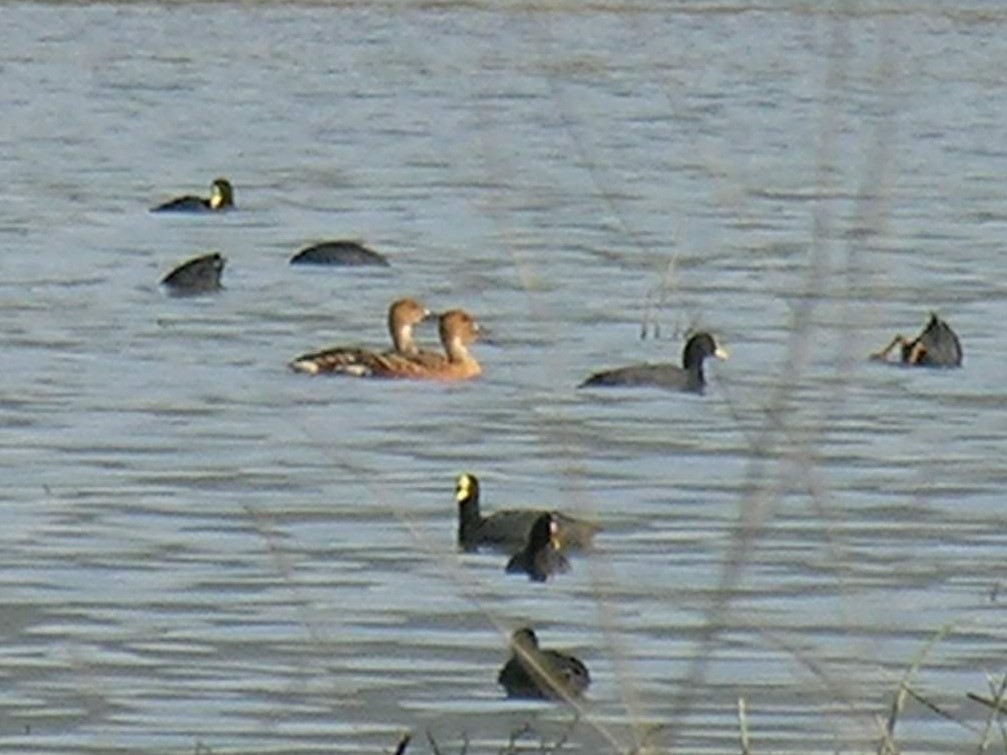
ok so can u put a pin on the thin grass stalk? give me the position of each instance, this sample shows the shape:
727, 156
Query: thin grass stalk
887, 746
996, 708
746, 748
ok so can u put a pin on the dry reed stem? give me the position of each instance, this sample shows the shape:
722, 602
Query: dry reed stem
887, 745
997, 707
404, 740
557, 432
746, 748
938, 710
466, 587
756, 509
513, 747
657, 298
433, 742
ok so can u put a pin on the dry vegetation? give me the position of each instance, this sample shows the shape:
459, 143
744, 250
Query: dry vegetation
778, 437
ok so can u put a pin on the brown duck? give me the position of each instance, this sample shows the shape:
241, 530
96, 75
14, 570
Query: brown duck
458, 330
403, 314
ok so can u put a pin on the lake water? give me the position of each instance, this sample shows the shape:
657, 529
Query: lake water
202, 551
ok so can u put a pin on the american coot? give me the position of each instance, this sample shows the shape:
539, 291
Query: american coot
221, 198
937, 345
457, 330
541, 556
200, 275
338, 253
508, 529
688, 377
541, 674
403, 314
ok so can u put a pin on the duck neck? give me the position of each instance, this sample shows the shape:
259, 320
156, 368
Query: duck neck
402, 338
696, 379
459, 354
469, 518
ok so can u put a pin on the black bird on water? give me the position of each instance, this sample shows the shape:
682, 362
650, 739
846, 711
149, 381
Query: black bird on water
221, 198
688, 377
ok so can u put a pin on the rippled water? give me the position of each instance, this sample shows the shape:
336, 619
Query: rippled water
203, 550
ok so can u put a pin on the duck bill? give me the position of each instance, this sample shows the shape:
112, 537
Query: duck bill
554, 539
721, 353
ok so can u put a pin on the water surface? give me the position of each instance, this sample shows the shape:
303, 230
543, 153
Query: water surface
202, 549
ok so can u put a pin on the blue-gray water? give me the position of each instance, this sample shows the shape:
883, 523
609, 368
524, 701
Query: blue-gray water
203, 550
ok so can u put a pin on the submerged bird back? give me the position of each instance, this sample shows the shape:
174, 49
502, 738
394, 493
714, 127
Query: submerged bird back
657, 375
941, 345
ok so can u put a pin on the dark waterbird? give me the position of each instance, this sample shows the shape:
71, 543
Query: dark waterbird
937, 345
541, 674
346, 253
200, 275
541, 556
221, 198
508, 529
688, 377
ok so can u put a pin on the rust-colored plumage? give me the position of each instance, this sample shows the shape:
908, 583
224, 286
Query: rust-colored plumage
403, 314
458, 330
